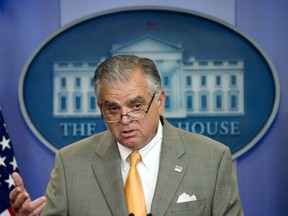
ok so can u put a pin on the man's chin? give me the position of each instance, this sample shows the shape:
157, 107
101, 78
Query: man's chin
131, 144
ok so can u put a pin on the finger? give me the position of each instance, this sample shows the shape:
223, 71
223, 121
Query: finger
20, 202
36, 203
14, 193
17, 197
37, 206
18, 181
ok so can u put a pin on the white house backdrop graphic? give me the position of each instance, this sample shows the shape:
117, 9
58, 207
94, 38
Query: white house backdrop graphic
194, 87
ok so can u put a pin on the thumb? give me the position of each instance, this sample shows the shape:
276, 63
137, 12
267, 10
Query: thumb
18, 181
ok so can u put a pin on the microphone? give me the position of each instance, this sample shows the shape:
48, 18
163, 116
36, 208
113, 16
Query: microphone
131, 214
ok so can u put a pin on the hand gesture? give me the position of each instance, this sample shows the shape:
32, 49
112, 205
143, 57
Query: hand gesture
21, 202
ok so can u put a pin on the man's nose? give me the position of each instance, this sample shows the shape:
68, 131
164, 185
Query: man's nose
125, 119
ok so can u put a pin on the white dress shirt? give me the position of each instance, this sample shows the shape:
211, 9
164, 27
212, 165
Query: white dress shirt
147, 168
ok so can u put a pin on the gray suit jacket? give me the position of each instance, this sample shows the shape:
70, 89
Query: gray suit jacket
87, 178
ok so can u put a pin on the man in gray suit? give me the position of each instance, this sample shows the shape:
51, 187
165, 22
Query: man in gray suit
182, 173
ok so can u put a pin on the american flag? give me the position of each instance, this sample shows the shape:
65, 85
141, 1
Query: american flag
8, 165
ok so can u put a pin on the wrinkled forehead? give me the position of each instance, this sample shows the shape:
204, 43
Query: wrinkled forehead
124, 102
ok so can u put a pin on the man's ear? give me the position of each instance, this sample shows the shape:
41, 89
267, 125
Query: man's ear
99, 106
161, 102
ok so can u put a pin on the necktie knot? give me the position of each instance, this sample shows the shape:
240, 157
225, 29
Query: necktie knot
135, 158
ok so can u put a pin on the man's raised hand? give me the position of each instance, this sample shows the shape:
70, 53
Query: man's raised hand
20, 201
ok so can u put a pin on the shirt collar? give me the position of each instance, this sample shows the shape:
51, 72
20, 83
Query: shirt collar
153, 145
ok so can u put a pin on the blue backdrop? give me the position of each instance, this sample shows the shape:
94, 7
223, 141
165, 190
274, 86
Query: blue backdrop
262, 172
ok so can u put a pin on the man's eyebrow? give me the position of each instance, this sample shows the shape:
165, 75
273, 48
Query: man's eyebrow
137, 99
110, 103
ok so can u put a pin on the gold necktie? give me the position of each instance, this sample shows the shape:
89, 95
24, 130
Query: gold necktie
133, 188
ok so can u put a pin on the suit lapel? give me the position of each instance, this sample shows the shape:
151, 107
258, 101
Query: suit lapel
170, 173
107, 169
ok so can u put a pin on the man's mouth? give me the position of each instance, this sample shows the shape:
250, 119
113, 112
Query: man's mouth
128, 133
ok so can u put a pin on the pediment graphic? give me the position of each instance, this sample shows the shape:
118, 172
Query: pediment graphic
147, 44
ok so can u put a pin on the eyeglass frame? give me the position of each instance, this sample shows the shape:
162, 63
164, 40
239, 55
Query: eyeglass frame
127, 114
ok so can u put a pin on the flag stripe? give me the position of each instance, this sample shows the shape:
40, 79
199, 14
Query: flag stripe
8, 165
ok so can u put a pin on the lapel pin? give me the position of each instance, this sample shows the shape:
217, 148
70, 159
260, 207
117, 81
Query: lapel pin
178, 169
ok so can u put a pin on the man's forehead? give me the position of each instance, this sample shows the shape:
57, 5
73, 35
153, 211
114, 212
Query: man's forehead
129, 99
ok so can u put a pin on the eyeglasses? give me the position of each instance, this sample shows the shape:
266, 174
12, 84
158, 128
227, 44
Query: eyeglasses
132, 115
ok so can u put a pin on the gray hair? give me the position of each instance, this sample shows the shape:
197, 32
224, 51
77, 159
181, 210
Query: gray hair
119, 68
